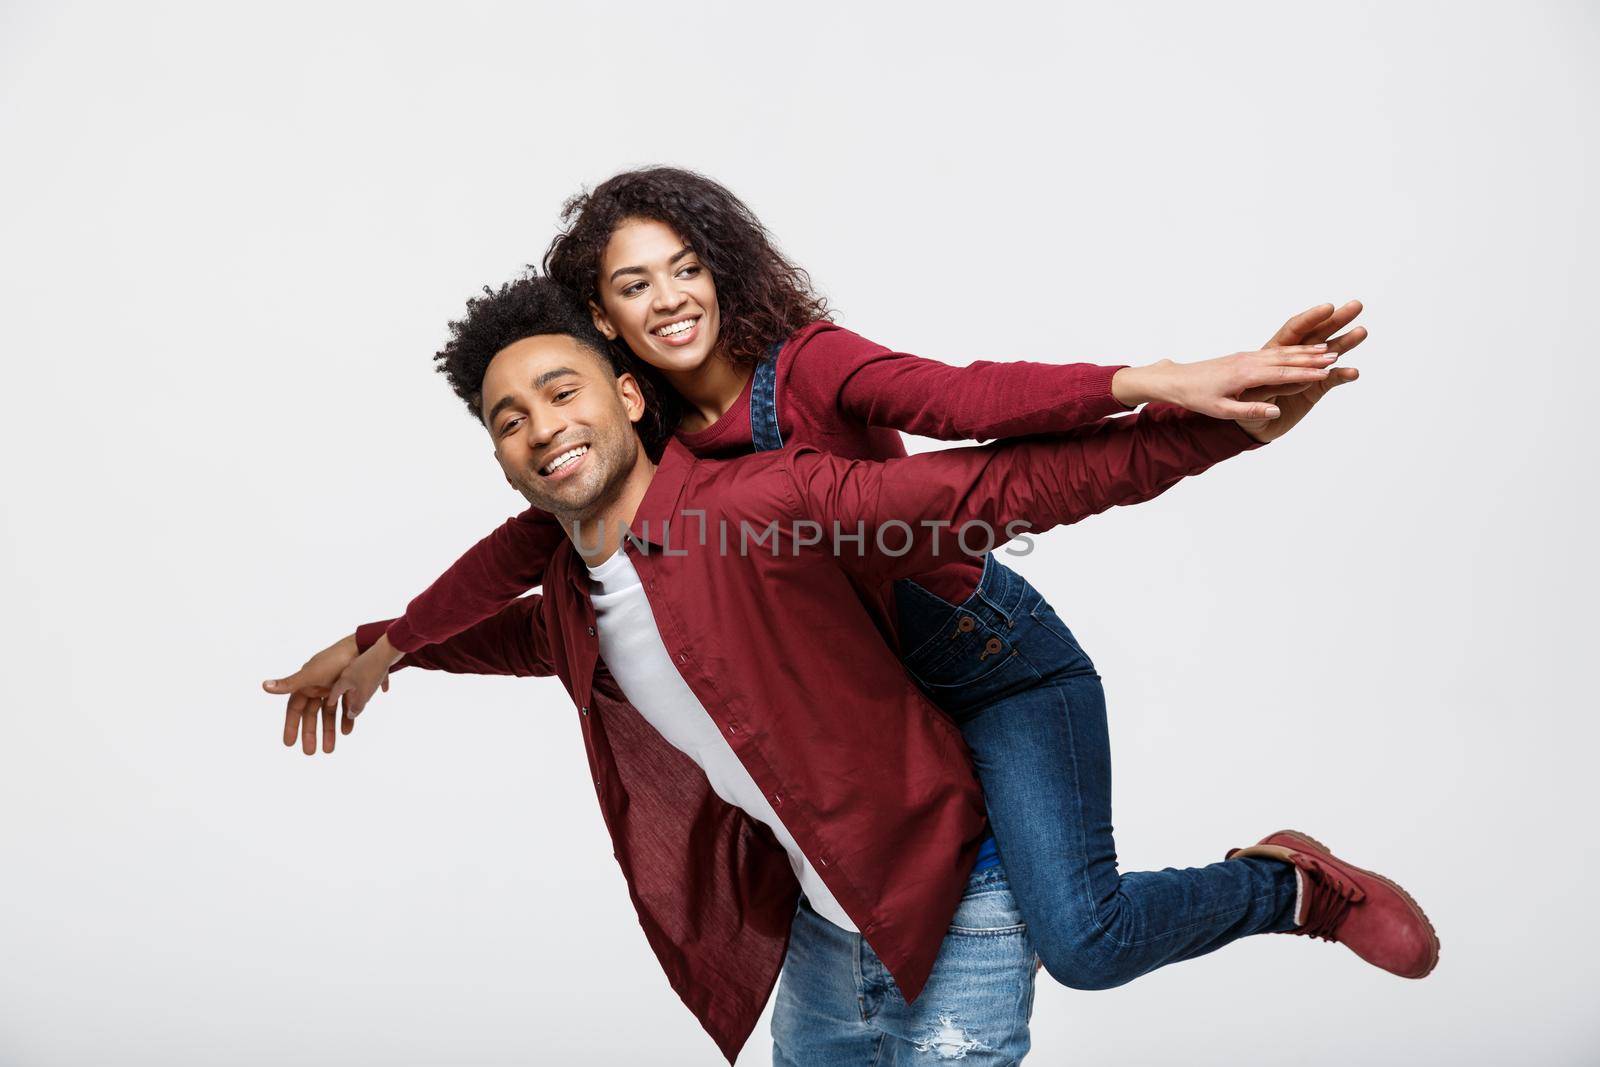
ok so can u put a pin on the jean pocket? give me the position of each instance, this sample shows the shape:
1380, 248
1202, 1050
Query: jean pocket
1068, 652
988, 912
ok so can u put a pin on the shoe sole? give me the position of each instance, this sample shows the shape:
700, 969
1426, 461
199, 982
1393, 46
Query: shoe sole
1433, 935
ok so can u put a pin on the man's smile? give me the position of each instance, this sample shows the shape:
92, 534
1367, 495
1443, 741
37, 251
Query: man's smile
565, 462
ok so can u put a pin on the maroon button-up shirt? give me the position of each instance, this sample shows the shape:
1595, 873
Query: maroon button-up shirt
788, 647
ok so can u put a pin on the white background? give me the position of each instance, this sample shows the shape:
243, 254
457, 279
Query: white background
229, 244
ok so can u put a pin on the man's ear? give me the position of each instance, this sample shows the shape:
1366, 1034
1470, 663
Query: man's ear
601, 323
632, 396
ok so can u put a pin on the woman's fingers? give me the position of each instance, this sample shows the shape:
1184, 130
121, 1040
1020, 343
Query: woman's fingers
1284, 376
330, 703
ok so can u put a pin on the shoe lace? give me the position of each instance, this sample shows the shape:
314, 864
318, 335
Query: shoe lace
1330, 898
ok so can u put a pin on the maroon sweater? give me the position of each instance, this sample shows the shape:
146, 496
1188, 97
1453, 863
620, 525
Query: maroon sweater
836, 391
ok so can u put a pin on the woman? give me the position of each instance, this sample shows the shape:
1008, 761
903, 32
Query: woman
741, 355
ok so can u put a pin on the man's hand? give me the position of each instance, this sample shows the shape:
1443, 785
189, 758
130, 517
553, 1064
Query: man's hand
1294, 407
309, 691
361, 679
1294, 401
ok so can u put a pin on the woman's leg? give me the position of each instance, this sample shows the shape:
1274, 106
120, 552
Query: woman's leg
1032, 710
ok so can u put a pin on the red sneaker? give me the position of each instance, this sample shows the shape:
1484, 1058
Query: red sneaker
1363, 911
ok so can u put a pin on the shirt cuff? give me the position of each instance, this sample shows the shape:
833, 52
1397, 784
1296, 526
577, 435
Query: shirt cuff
403, 637
1106, 403
367, 634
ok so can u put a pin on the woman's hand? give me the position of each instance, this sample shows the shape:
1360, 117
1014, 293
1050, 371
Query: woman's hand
1244, 385
364, 677
308, 690
1213, 386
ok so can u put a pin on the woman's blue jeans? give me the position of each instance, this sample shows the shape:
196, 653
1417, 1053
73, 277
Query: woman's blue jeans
1032, 710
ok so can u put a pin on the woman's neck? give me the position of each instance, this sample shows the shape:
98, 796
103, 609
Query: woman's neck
710, 390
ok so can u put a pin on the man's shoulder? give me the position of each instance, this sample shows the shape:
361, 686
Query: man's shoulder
757, 483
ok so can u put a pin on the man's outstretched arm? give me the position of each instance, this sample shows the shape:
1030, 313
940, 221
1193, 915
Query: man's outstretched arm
512, 641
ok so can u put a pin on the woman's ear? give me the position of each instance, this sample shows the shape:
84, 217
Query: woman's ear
601, 323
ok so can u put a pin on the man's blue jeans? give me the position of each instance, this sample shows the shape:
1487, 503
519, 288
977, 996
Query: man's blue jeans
1032, 710
837, 1006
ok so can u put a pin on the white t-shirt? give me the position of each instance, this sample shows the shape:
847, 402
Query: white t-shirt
631, 645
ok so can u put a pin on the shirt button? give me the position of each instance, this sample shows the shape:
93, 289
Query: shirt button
777, 800
584, 710
683, 658
591, 631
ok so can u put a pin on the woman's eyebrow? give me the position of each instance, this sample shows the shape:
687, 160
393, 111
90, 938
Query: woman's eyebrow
620, 271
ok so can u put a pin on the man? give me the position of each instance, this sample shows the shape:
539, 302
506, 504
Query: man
750, 731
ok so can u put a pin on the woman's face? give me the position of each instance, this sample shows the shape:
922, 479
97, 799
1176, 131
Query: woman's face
657, 296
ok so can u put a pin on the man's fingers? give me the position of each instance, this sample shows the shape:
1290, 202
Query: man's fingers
308, 732
1291, 332
1233, 409
346, 723
328, 732
291, 722
1275, 392
1347, 340
1333, 323
283, 685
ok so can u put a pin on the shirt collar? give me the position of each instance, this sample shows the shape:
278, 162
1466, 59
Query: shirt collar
660, 504
657, 510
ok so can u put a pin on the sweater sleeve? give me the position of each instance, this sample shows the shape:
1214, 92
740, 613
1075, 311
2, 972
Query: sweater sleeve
984, 400
490, 575
514, 641
909, 515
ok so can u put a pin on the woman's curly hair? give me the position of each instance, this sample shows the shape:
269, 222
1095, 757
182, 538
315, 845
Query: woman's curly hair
761, 296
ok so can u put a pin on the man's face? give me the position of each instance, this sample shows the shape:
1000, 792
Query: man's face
562, 426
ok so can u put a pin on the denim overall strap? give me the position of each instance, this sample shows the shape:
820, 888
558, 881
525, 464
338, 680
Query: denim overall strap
764, 432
